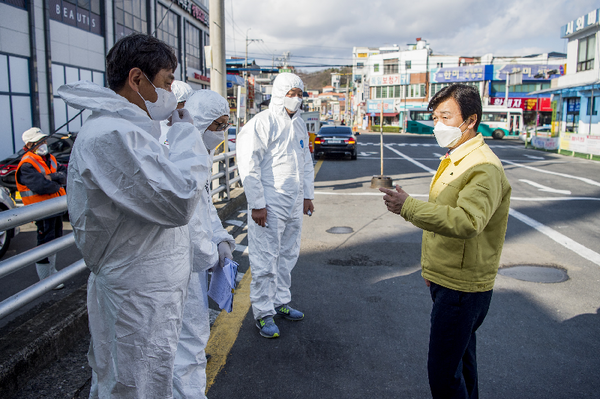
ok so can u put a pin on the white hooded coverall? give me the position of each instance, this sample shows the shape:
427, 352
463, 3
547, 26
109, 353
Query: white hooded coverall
277, 172
182, 92
130, 200
206, 232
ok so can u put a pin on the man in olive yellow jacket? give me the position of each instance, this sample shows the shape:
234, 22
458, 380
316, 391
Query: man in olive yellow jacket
464, 225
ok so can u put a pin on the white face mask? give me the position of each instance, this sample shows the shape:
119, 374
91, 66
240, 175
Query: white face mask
447, 136
42, 150
292, 103
165, 104
212, 139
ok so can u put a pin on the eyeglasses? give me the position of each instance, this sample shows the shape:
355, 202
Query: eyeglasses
221, 126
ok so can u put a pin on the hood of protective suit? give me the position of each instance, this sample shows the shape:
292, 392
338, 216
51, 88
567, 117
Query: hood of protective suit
205, 106
182, 90
283, 83
87, 95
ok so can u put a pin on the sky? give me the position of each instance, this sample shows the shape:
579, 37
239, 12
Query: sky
319, 33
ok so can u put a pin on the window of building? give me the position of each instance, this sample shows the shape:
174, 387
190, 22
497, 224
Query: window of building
390, 66
15, 103
193, 47
378, 92
586, 53
17, 3
167, 26
360, 65
63, 74
398, 91
591, 106
522, 88
407, 64
130, 16
375, 67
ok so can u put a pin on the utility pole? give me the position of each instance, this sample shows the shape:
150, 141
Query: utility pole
246, 71
218, 71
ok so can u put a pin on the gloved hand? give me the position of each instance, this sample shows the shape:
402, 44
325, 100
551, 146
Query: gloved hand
224, 252
180, 115
59, 177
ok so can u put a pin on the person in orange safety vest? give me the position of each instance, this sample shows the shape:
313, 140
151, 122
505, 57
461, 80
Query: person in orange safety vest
39, 177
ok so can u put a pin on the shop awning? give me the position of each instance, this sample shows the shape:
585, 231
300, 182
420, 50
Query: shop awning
568, 88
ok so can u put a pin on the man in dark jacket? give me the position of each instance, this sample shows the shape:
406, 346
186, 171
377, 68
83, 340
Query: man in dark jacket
39, 177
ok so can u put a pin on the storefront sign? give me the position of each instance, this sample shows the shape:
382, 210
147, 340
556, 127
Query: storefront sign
585, 144
389, 80
362, 55
375, 106
581, 23
526, 104
194, 10
530, 72
75, 16
472, 73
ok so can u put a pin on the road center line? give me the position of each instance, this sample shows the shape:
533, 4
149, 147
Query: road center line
563, 240
541, 187
583, 179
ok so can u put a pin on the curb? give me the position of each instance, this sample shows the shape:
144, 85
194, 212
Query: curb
53, 332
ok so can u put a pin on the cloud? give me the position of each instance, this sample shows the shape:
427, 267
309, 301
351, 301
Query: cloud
328, 29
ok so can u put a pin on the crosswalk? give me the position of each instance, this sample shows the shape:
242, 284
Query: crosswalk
510, 146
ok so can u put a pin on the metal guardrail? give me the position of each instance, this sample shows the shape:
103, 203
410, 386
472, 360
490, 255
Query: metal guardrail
16, 217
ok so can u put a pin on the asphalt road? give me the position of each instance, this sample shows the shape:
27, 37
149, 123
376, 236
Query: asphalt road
367, 308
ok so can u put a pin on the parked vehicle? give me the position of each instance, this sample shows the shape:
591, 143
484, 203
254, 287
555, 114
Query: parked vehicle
335, 140
231, 137
59, 145
6, 203
541, 131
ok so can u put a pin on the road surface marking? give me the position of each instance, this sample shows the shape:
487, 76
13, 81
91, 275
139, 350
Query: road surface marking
533, 156
241, 248
409, 159
544, 188
226, 329
235, 222
530, 199
563, 240
435, 154
583, 179
318, 166
378, 193
553, 234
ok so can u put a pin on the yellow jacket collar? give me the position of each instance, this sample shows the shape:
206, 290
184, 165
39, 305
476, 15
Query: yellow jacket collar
466, 148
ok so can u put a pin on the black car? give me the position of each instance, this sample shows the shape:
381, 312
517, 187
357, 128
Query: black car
335, 140
59, 145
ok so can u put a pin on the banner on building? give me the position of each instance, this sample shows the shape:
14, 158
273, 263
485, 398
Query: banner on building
389, 80
530, 72
375, 106
471, 73
585, 144
526, 104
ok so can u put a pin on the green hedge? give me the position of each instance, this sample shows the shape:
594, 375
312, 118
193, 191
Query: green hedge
387, 129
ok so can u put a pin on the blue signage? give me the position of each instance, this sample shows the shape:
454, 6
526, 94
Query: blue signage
530, 72
375, 106
579, 24
471, 73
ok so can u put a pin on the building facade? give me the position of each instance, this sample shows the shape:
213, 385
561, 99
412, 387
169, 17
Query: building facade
45, 44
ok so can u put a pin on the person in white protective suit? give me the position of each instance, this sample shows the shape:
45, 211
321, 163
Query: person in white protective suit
277, 172
182, 92
211, 245
130, 200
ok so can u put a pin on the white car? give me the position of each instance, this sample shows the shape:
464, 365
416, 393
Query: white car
231, 136
544, 130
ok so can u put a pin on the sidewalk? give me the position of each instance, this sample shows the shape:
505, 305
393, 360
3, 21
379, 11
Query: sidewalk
48, 337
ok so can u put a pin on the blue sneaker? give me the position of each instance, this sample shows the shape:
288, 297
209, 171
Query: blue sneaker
289, 313
267, 327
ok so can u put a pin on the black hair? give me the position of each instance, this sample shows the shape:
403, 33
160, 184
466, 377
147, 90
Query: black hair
467, 97
137, 50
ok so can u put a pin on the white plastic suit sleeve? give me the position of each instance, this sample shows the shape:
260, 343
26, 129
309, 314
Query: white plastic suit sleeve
219, 233
251, 146
309, 174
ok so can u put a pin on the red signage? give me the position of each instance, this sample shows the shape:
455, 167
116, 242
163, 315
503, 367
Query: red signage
201, 77
526, 104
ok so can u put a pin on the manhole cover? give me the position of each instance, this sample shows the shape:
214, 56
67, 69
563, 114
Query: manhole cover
340, 230
536, 274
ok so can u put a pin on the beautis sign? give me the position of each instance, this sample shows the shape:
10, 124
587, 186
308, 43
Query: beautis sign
70, 14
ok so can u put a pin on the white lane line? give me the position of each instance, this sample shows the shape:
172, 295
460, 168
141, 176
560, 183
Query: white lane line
241, 248
435, 154
583, 179
563, 240
235, 222
533, 156
409, 159
544, 188
553, 234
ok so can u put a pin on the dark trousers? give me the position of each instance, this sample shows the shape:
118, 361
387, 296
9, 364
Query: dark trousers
452, 361
48, 229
